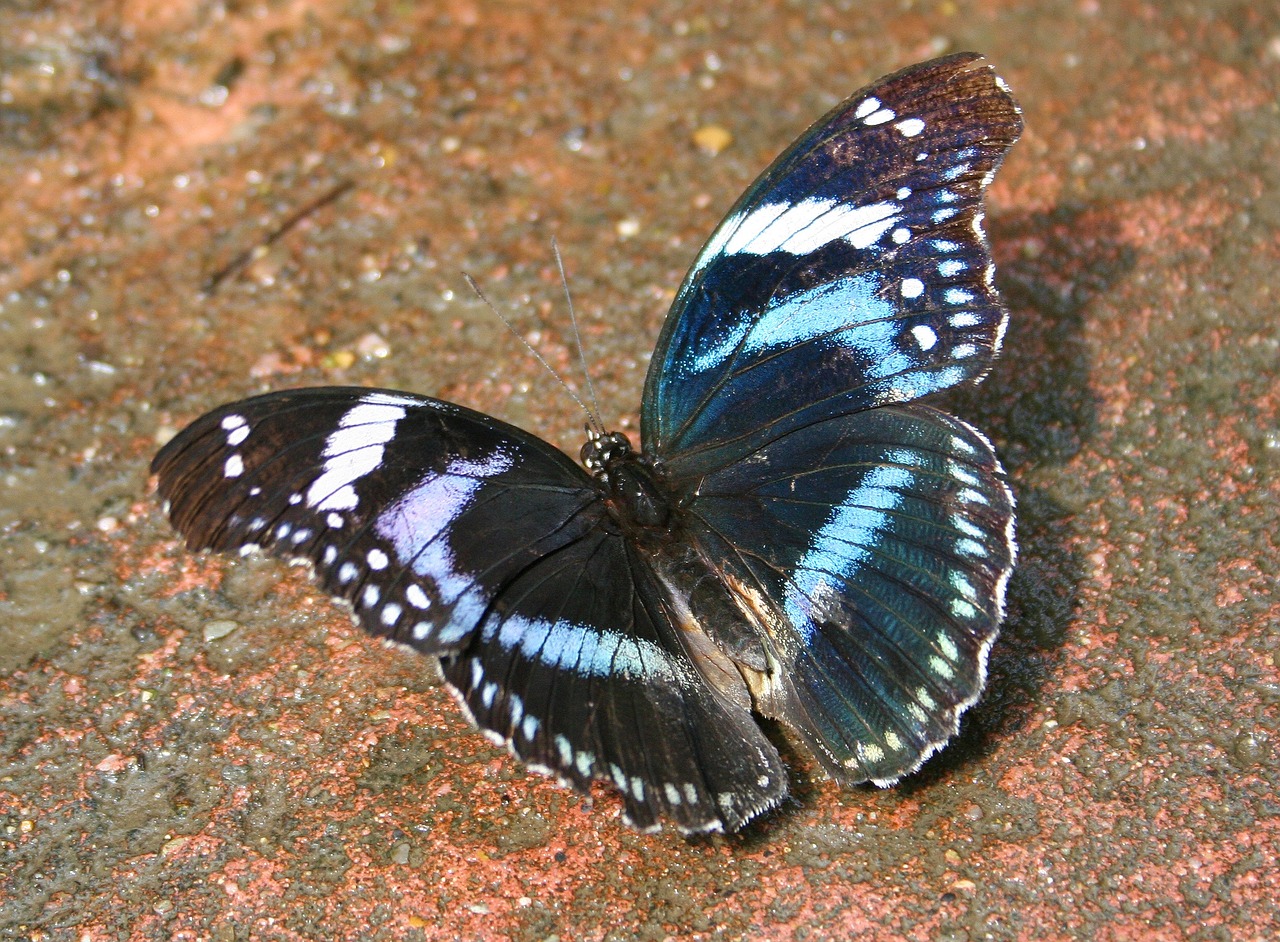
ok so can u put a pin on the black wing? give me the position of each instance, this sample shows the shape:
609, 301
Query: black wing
473, 541
854, 273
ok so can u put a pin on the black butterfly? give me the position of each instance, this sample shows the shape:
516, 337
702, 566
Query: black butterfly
798, 537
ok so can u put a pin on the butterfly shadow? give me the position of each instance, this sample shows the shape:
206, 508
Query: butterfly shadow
1038, 408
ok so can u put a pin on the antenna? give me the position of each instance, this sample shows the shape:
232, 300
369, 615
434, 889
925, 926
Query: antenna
594, 412
591, 418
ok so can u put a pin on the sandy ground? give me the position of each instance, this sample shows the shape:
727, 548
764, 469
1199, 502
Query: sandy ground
205, 200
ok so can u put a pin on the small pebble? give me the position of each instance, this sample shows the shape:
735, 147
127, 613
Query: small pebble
220, 628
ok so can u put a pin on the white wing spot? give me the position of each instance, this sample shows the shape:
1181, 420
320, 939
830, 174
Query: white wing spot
941, 668
565, 749
910, 127
963, 319
330, 554
236, 435
672, 793
334, 520
964, 351
391, 613
883, 116
912, 287
283, 530
962, 608
421, 630
488, 693
377, 559
960, 582
950, 266
301, 536
234, 467
904, 192
870, 752
901, 235
957, 296
866, 107
371, 595
347, 571
893, 740
416, 597
925, 336
948, 646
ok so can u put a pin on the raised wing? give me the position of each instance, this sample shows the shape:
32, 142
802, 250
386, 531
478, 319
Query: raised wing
873, 551
477, 543
854, 273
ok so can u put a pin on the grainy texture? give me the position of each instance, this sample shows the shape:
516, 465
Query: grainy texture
199, 748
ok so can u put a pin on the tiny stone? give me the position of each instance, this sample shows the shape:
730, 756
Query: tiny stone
400, 854
712, 139
219, 629
372, 346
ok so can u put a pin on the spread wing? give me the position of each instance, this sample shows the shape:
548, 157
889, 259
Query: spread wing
874, 550
868, 537
481, 545
854, 272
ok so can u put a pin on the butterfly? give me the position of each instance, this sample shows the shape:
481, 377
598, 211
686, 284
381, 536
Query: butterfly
800, 537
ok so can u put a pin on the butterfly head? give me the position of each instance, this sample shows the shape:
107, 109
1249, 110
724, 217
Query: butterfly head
602, 449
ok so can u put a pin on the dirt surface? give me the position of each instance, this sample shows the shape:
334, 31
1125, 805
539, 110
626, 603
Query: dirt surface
205, 200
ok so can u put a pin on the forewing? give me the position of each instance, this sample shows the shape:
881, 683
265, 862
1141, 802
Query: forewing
874, 551
854, 273
414, 510
472, 541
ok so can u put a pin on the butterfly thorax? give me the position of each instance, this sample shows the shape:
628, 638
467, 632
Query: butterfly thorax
635, 494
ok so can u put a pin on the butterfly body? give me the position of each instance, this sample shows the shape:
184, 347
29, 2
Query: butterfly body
799, 537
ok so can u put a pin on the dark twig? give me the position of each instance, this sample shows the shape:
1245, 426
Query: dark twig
238, 263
